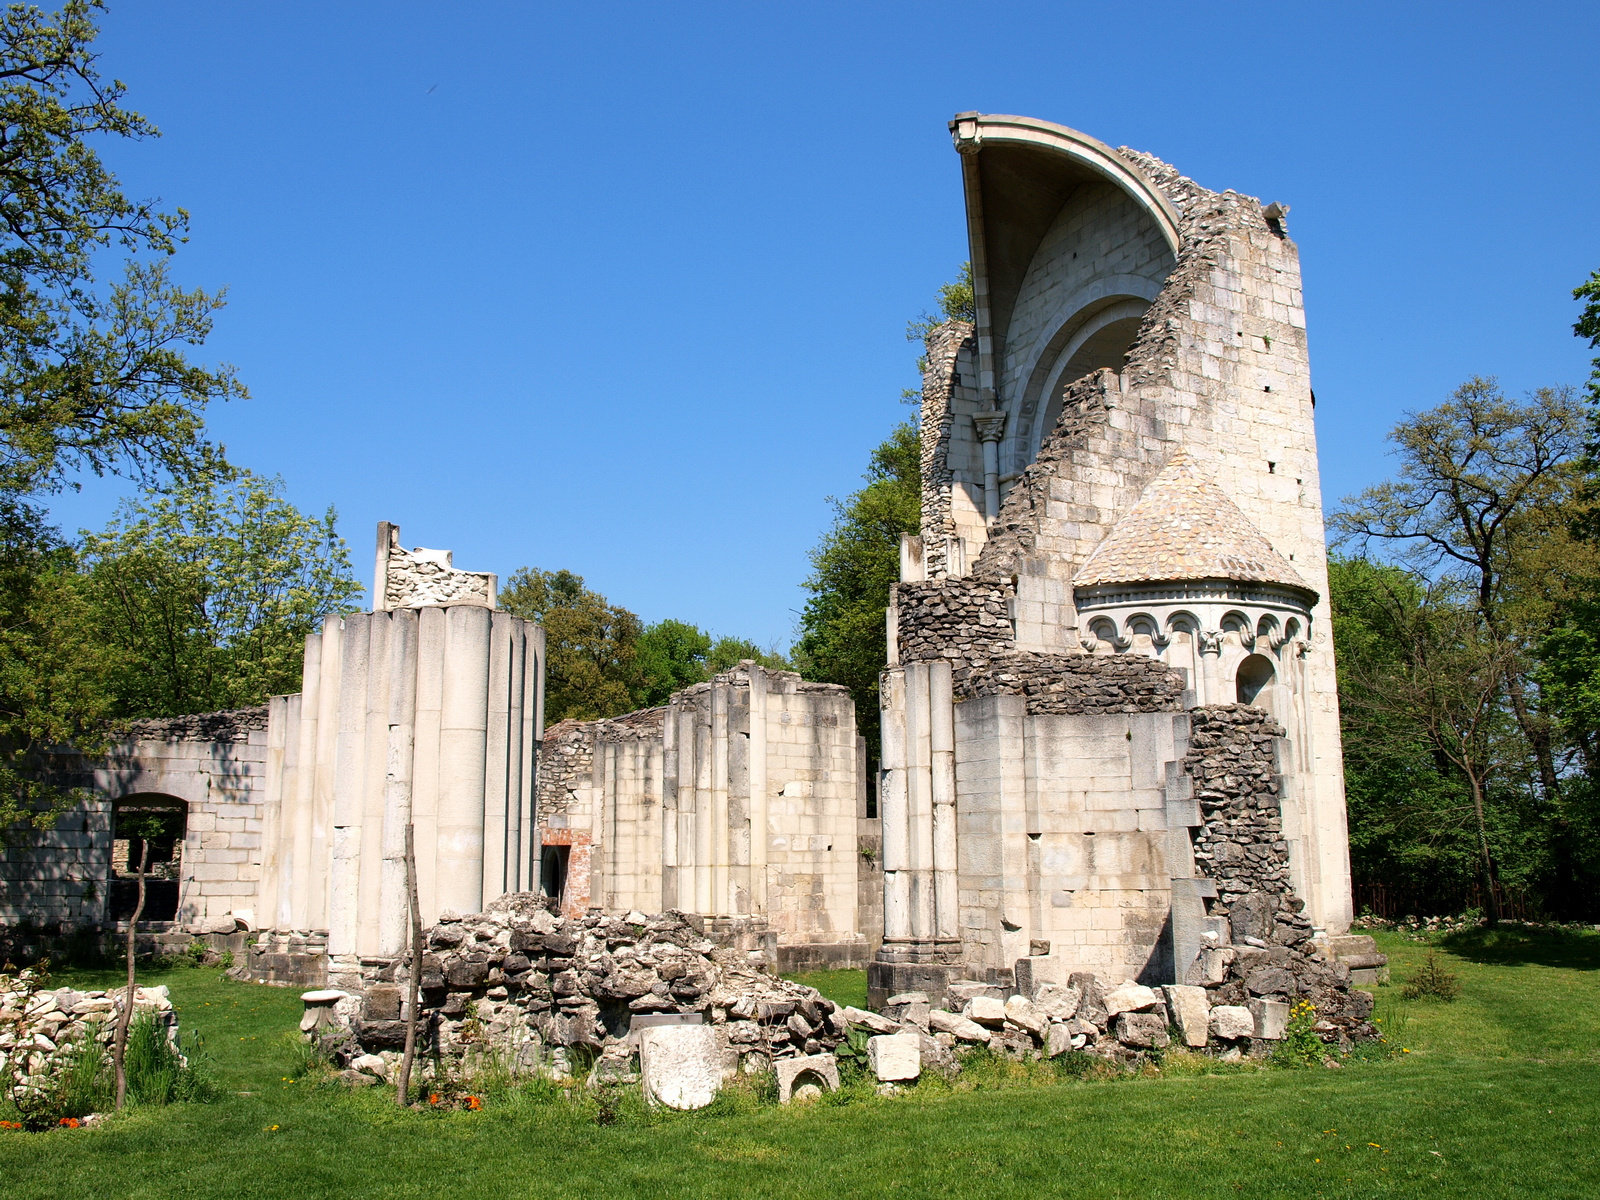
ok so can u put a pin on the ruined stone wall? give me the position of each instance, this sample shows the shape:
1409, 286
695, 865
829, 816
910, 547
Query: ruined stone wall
1233, 761
965, 621
1102, 247
949, 387
1079, 683
741, 798
212, 764
1219, 367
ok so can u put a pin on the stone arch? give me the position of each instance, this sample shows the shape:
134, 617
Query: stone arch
1071, 241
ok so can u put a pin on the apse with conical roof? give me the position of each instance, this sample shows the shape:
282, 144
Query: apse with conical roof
1185, 527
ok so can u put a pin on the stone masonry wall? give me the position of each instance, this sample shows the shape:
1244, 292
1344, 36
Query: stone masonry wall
1269, 960
566, 760
1079, 683
1234, 766
944, 348
966, 621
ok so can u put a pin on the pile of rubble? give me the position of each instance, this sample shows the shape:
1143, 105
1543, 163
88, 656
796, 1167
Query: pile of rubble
38, 1027
1274, 962
522, 981
529, 986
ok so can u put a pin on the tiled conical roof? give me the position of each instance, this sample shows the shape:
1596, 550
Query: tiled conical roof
1185, 527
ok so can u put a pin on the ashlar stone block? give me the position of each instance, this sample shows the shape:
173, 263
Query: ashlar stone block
895, 1057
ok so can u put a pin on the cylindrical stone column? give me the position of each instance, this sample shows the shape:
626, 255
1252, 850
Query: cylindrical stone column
892, 809
349, 787
942, 750
463, 735
394, 903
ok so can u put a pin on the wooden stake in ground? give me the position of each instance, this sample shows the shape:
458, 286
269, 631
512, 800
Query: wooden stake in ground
119, 1048
402, 1091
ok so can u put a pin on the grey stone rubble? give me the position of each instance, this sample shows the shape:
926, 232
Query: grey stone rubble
529, 984
40, 1027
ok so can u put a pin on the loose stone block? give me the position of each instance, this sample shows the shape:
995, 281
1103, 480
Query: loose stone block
869, 1020
1057, 1002
1021, 1012
1130, 997
1142, 1031
818, 1071
1232, 1021
958, 1026
1270, 1018
1060, 1038
895, 1057
988, 1011
681, 1065
1191, 1012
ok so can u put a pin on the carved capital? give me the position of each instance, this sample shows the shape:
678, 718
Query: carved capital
990, 426
1211, 641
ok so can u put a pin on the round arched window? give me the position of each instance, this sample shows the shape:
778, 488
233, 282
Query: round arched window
1254, 673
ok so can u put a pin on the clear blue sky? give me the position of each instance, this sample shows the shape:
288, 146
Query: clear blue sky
622, 287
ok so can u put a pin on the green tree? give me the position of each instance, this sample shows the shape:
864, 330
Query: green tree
592, 666
1484, 484
1435, 763
843, 638
92, 375
203, 596
53, 688
1588, 326
674, 654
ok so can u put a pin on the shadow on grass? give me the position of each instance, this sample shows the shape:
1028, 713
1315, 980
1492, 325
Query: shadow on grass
1510, 946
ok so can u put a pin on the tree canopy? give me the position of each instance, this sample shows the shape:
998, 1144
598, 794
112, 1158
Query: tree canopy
203, 595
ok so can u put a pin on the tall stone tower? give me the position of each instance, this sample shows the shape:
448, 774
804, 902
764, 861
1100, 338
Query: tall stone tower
1121, 525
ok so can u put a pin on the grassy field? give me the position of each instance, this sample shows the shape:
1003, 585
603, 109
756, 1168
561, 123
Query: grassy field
1499, 1095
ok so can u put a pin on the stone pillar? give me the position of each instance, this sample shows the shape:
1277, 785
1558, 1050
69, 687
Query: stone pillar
942, 751
295, 896
344, 882
375, 752
760, 834
892, 809
463, 732
721, 897
990, 426
319, 883
431, 646
532, 743
496, 761
919, 801
704, 836
669, 810
394, 902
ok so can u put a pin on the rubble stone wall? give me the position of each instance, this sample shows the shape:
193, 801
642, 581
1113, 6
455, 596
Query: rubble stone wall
966, 621
1078, 684
1233, 761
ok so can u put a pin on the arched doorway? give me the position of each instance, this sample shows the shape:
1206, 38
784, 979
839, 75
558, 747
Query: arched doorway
146, 828
1255, 673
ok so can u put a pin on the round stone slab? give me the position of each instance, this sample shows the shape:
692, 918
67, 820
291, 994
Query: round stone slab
323, 996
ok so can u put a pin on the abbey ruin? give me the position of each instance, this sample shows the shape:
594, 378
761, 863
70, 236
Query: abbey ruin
1110, 727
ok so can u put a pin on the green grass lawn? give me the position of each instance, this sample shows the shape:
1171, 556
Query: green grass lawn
1499, 1096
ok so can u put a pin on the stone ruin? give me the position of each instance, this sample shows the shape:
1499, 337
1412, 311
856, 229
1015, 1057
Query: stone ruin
1110, 723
